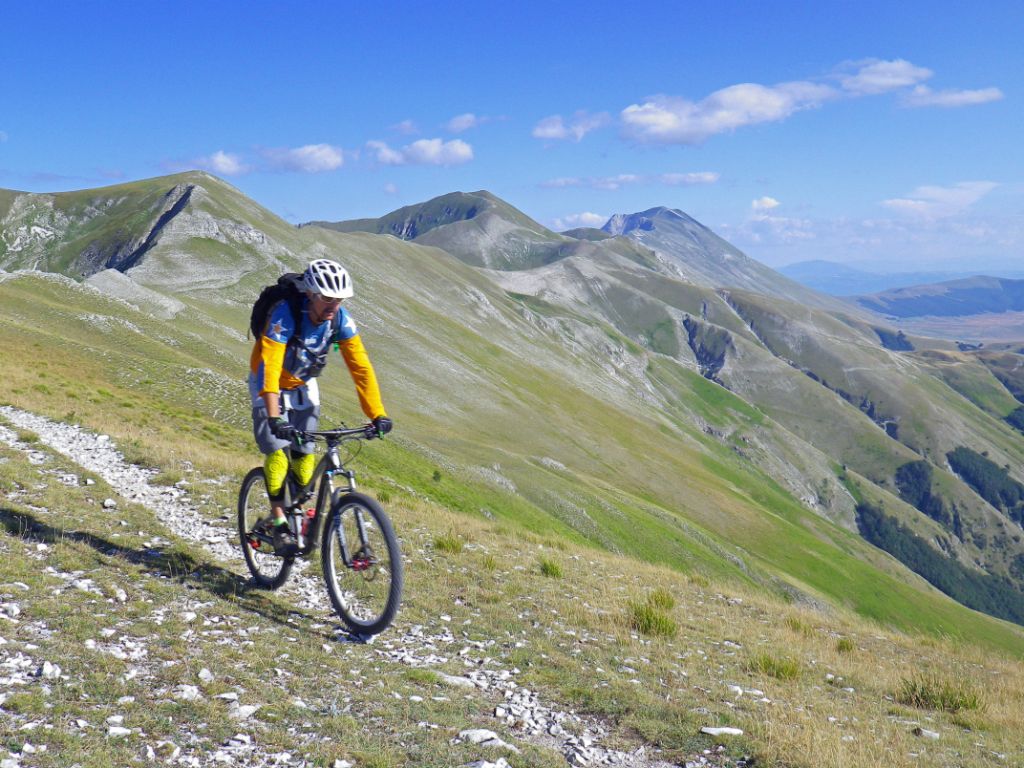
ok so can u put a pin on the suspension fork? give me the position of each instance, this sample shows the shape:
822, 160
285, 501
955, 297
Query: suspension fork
348, 556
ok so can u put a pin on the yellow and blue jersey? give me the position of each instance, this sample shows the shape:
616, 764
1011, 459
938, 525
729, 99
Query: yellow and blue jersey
285, 358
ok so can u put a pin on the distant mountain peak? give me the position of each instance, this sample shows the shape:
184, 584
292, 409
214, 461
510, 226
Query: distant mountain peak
624, 223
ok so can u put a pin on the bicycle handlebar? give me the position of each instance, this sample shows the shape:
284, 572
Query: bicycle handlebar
365, 432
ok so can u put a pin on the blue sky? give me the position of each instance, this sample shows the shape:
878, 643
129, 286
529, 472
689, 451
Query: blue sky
882, 135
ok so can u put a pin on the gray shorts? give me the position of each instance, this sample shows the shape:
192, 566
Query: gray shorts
301, 413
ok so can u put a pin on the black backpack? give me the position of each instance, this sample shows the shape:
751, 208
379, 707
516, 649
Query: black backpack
288, 288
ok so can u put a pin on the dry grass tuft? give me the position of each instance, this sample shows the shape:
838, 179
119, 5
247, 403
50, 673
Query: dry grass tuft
449, 543
935, 692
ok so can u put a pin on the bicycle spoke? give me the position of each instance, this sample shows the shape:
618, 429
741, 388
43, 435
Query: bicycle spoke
269, 570
362, 567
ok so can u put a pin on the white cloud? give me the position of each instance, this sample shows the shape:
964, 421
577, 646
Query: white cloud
222, 162
933, 202
384, 154
438, 152
923, 96
762, 228
764, 204
390, 189
777, 230
554, 128
877, 76
674, 120
585, 219
423, 152
563, 181
311, 158
667, 119
406, 127
689, 179
612, 183
463, 122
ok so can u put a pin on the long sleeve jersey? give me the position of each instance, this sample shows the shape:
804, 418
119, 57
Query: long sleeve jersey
284, 357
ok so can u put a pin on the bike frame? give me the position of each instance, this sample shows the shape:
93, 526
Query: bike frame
330, 464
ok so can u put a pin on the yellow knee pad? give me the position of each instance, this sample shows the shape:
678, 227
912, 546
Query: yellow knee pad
303, 466
275, 469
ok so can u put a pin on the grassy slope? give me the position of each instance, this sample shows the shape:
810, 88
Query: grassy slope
569, 635
156, 390
669, 480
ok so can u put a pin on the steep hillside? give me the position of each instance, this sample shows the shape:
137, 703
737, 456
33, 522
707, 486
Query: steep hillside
595, 395
144, 226
130, 630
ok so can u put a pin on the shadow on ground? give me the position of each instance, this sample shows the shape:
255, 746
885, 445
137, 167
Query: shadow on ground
174, 563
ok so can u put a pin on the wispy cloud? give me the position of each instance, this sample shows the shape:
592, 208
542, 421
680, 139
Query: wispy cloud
688, 179
934, 202
674, 120
555, 128
223, 163
912, 238
463, 122
764, 227
390, 189
764, 204
423, 152
3, 137
873, 76
311, 158
613, 183
923, 96
406, 128
574, 220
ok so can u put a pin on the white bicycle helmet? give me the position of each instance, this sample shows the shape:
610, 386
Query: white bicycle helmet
328, 278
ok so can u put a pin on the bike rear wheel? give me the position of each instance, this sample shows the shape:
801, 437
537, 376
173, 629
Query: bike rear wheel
269, 570
362, 563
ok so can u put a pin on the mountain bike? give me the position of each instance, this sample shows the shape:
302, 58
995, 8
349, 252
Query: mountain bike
359, 552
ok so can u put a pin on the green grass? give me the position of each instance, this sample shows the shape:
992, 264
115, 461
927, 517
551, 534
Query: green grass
650, 490
773, 665
649, 620
933, 692
799, 626
550, 568
592, 670
661, 599
449, 543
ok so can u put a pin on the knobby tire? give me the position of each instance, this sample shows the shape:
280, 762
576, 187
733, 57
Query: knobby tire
269, 570
366, 596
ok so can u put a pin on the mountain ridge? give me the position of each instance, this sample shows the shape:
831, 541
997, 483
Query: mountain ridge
748, 385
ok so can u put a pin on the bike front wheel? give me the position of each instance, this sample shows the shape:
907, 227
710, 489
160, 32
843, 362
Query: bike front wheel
362, 563
269, 570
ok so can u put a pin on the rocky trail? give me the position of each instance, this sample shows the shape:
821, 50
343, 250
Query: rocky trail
508, 712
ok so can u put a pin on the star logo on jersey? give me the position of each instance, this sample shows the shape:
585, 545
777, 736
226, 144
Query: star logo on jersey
276, 328
350, 324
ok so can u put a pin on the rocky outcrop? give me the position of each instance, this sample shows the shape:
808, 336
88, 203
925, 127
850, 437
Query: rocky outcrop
710, 345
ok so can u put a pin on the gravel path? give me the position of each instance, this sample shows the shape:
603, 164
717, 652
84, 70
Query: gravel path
532, 719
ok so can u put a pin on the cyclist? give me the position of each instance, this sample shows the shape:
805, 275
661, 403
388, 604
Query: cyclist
283, 367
